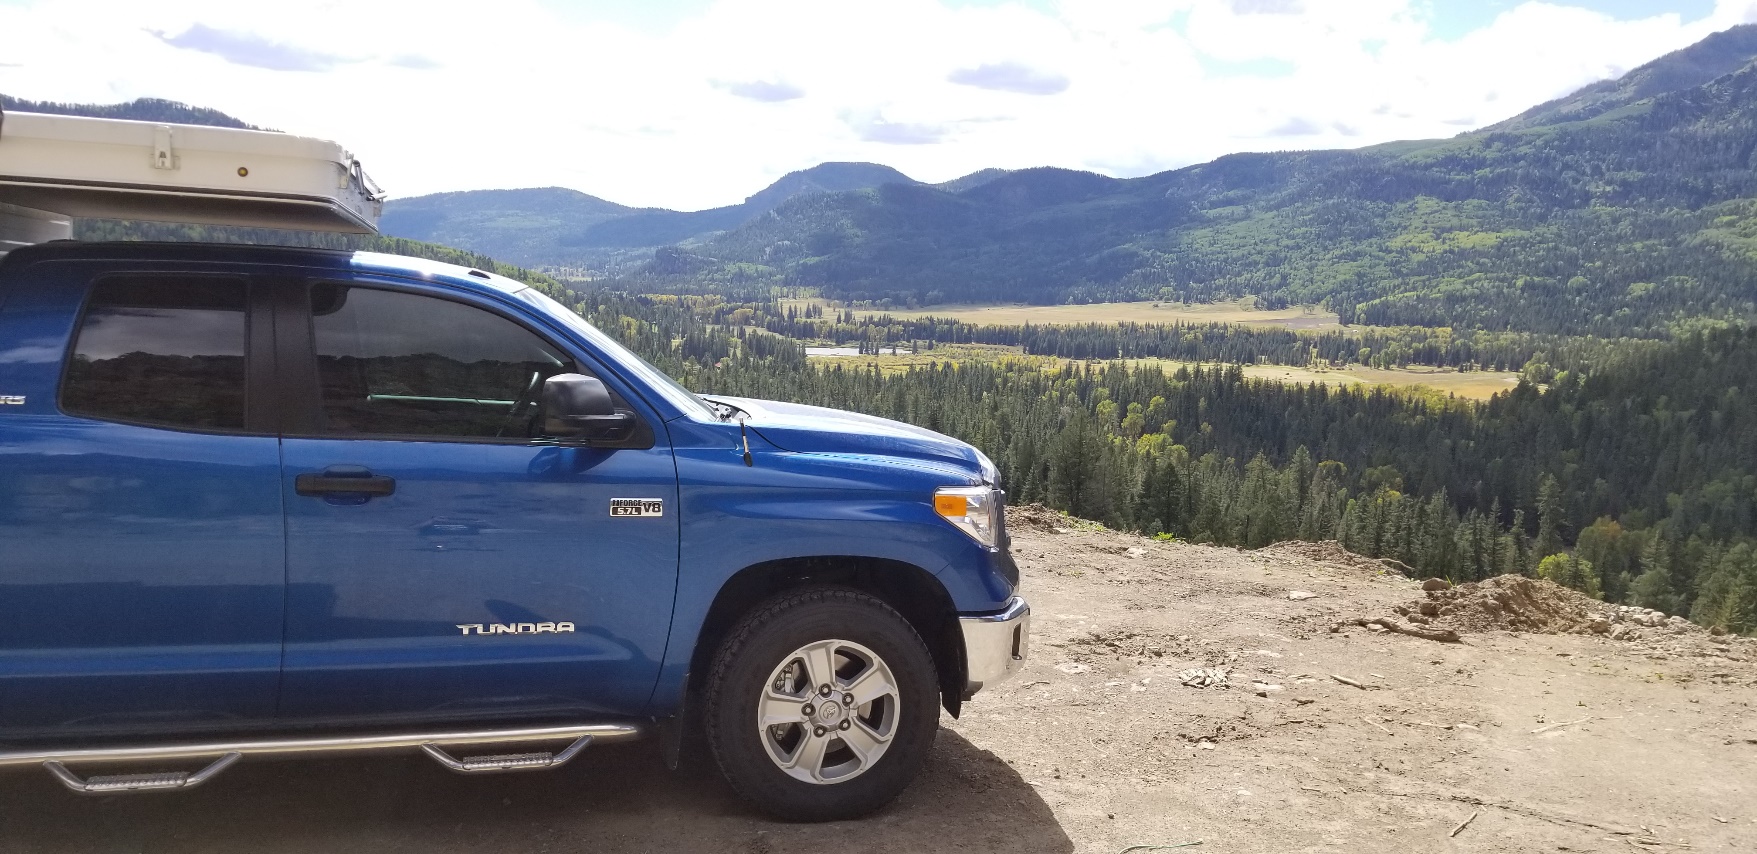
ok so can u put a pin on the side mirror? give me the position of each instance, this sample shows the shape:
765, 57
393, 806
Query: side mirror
578, 406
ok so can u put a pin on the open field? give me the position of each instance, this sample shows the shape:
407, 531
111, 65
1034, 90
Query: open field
1309, 318
1474, 385
1471, 385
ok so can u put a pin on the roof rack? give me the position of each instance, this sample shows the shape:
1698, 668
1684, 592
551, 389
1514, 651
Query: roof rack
54, 168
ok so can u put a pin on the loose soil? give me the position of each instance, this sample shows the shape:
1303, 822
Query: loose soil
1555, 736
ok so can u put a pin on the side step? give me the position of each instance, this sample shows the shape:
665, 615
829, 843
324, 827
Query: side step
225, 754
508, 761
105, 783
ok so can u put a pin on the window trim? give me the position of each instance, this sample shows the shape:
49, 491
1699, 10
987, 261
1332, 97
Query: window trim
259, 415
302, 394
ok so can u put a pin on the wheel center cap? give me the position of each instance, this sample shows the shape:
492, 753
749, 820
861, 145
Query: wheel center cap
829, 712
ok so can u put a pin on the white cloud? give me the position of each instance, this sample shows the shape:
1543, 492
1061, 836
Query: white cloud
449, 95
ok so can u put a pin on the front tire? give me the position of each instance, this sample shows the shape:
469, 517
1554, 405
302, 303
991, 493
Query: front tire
822, 705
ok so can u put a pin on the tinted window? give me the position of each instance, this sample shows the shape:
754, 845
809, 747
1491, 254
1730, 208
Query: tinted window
394, 363
161, 351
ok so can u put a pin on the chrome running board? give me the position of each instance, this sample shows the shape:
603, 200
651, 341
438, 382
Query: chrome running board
105, 783
225, 753
506, 762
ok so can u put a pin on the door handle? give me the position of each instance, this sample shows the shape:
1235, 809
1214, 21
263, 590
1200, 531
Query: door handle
342, 481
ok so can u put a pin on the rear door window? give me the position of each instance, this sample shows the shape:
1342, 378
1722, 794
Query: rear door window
391, 363
163, 351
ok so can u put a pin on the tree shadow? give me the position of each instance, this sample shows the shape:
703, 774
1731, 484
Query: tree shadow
613, 798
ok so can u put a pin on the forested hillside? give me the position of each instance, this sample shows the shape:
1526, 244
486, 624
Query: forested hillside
555, 226
1623, 220
139, 109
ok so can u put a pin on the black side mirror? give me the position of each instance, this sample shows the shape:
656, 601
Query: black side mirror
578, 406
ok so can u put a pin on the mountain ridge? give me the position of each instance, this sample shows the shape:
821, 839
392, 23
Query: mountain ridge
1621, 210
536, 226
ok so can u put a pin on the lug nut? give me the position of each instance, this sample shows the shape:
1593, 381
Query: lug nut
808, 711
818, 731
848, 700
844, 724
825, 691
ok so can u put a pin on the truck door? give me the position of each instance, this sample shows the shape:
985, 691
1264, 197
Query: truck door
141, 535
442, 559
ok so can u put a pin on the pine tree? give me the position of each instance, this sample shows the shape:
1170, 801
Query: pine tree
1549, 517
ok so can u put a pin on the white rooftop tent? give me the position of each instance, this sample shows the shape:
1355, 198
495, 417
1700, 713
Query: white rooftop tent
54, 168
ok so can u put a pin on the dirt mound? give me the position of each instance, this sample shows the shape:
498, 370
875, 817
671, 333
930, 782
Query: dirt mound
1332, 552
1036, 517
1511, 603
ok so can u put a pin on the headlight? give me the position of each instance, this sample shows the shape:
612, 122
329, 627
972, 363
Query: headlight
975, 510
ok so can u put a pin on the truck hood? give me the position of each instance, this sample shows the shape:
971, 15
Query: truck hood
821, 430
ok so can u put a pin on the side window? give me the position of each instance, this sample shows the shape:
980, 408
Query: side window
399, 364
162, 351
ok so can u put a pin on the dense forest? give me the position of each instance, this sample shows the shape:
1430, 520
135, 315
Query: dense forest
1636, 479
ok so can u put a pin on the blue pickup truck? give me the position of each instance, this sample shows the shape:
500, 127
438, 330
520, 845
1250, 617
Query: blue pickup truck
260, 501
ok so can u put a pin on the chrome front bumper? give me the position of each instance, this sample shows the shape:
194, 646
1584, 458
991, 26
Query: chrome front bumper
995, 645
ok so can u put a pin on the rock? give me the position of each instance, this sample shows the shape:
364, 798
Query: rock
1433, 585
1264, 689
1429, 609
1598, 625
1301, 595
1203, 677
1418, 619
1717, 631
1624, 632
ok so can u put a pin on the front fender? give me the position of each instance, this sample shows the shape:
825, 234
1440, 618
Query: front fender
791, 505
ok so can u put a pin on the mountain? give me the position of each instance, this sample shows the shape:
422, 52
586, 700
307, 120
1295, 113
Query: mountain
1627, 208
139, 109
974, 179
521, 224
558, 227
1716, 56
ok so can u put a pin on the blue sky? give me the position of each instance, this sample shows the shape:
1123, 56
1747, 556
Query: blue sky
697, 103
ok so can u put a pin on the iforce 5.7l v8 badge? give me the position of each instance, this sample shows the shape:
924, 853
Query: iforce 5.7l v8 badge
637, 507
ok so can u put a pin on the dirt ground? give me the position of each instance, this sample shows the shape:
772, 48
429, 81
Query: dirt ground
1566, 742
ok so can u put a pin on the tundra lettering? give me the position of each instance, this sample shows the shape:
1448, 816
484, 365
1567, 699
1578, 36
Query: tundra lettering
514, 628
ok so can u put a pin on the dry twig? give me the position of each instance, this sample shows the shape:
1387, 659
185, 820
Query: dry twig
1465, 823
1402, 628
1559, 724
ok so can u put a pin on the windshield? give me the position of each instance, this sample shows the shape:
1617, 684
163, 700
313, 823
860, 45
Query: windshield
660, 381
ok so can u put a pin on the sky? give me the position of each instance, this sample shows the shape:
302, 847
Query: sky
689, 104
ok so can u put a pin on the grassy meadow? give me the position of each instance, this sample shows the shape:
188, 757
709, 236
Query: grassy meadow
1472, 385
